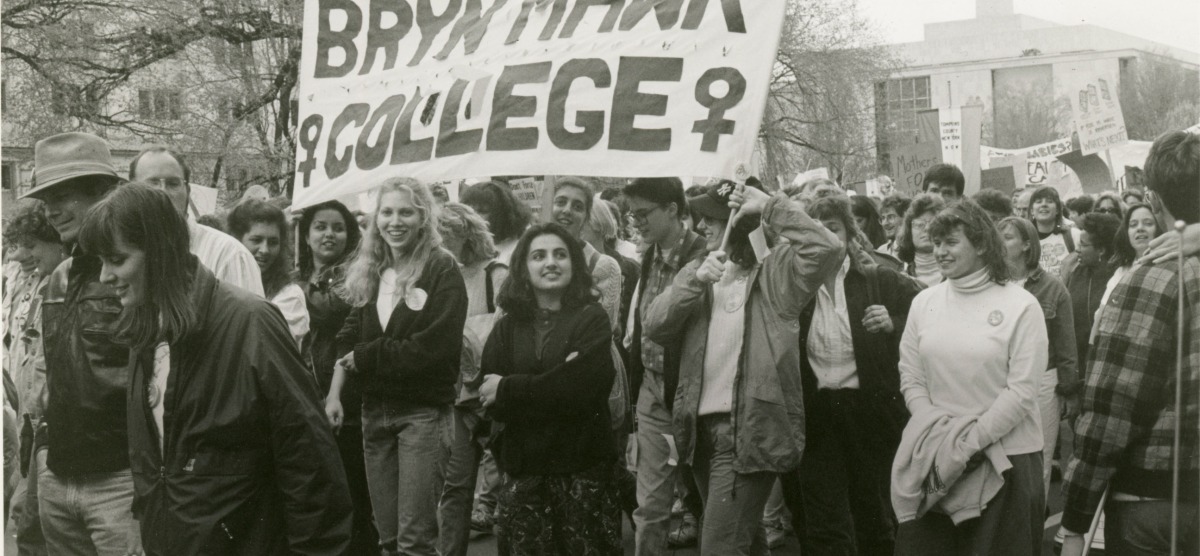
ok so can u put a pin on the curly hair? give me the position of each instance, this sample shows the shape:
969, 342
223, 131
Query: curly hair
29, 224
507, 216
373, 255
1102, 231
923, 204
977, 226
897, 202
516, 294
462, 222
353, 236
1116, 201
1123, 252
250, 212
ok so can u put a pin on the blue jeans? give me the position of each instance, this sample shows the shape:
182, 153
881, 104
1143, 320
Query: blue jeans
90, 514
733, 502
459, 494
406, 448
1144, 528
656, 473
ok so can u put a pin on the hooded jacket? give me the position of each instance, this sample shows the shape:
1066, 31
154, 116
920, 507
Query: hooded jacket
768, 413
248, 464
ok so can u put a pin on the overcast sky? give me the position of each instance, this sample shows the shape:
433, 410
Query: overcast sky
1172, 22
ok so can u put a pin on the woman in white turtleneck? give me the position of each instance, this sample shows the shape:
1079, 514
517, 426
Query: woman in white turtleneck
913, 244
975, 346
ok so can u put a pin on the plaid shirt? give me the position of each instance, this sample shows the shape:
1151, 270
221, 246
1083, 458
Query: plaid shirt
1125, 434
662, 271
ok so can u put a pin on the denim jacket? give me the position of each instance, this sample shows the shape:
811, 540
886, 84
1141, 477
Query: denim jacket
1060, 325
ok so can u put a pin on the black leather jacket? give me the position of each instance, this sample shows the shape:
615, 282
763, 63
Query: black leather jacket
87, 371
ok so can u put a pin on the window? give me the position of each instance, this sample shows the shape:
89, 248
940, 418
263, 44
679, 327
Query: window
897, 102
160, 104
8, 179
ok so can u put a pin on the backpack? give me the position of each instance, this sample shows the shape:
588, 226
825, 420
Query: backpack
618, 398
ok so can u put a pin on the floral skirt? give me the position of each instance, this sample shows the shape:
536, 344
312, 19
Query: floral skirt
576, 514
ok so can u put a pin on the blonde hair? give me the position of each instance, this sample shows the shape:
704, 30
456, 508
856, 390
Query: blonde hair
374, 256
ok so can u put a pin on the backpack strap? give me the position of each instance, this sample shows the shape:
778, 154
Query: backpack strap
1068, 239
490, 287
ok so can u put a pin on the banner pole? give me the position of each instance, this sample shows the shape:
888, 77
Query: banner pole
1179, 336
1112, 172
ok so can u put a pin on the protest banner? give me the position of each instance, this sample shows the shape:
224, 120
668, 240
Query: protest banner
530, 87
910, 162
1042, 166
1095, 108
955, 131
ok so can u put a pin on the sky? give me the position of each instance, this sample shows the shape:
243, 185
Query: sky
1171, 22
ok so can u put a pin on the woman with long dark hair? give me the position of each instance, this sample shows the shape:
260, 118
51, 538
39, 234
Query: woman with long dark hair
403, 341
548, 370
329, 235
867, 219
971, 360
263, 229
230, 452
1138, 228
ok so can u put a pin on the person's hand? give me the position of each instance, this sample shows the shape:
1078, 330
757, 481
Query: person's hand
333, 411
346, 362
1166, 246
747, 201
488, 390
712, 268
1068, 408
134, 543
1072, 545
877, 319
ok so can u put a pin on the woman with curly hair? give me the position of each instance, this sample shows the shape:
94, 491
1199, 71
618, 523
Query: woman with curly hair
263, 229
409, 300
914, 246
548, 370
506, 216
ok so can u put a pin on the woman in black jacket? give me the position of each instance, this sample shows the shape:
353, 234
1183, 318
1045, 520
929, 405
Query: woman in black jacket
329, 235
548, 371
229, 451
403, 341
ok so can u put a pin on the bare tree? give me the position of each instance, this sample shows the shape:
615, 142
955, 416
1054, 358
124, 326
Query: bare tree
1028, 114
1159, 94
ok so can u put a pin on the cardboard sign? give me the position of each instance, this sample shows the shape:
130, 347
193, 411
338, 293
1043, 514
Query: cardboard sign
1094, 106
529, 191
910, 162
455, 89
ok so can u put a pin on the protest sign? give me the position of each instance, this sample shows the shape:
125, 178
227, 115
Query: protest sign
1042, 166
529, 191
529, 87
1094, 175
1095, 108
910, 162
203, 200
955, 131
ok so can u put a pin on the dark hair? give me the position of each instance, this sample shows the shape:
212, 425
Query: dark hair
1102, 230
835, 207
1029, 234
250, 212
661, 191
144, 218
30, 224
213, 221
1115, 199
1172, 172
610, 194
1123, 252
187, 172
1082, 204
923, 203
509, 215
975, 224
740, 250
993, 200
944, 174
897, 202
516, 294
353, 235
864, 207
577, 183
1047, 192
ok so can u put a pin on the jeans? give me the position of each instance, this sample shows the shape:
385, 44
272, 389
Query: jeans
90, 514
28, 525
1049, 409
406, 448
733, 502
1144, 528
656, 474
488, 489
454, 513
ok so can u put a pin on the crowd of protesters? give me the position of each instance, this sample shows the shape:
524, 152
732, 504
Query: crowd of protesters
879, 376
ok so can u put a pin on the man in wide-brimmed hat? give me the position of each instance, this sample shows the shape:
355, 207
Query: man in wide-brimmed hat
85, 489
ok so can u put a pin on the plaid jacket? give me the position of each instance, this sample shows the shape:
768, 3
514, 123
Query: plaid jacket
1125, 433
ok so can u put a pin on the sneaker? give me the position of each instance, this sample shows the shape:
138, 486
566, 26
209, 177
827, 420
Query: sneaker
482, 520
685, 535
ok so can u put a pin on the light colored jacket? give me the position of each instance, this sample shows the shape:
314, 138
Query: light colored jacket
768, 407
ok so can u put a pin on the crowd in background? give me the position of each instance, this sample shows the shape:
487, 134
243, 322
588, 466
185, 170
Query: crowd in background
874, 376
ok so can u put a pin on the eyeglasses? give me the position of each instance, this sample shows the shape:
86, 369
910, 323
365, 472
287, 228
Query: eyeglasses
921, 225
165, 182
641, 215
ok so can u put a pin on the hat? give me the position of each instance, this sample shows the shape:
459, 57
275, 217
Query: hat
714, 203
69, 155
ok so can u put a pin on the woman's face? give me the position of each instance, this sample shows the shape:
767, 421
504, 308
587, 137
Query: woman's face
263, 241
569, 208
834, 225
125, 271
714, 232
1142, 228
1043, 210
1088, 254
920, 232
549, 263
398, 220
956, 257
891, 222
1014, 245
1108, 206
327, 236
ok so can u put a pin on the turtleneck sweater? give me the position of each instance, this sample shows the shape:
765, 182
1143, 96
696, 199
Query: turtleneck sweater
975, 347
926, 268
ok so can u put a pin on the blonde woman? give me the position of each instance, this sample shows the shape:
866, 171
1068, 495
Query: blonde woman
409, 298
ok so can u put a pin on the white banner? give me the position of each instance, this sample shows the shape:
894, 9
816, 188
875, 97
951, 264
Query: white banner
1042, 166
467, 88
950, 129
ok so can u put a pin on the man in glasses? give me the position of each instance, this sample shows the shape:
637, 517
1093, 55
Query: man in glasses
225, 256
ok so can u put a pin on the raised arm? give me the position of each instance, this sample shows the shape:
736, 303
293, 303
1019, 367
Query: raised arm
795, 270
